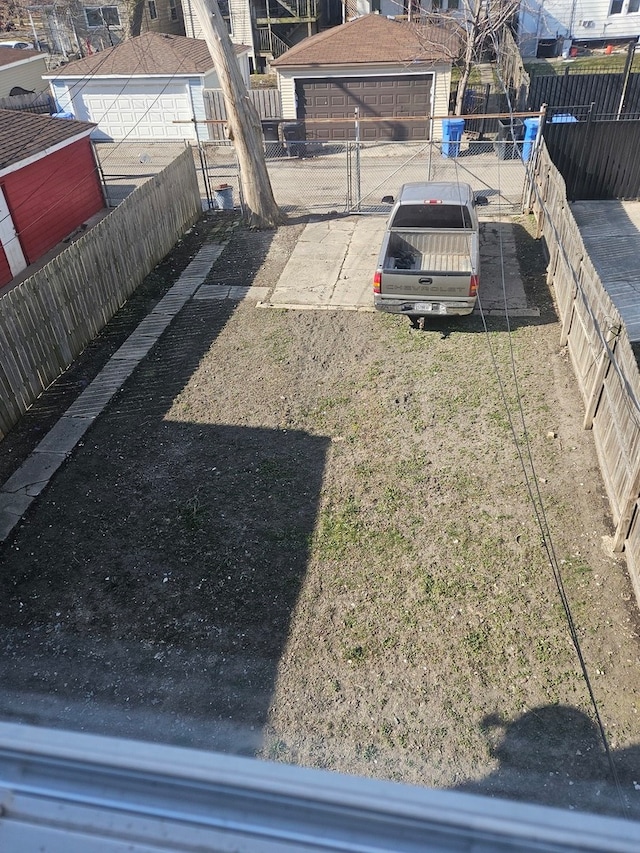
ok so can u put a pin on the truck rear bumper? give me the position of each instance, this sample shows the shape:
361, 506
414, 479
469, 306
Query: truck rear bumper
434, 307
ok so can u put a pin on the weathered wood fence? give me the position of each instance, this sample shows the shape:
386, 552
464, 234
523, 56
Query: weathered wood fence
601, 354
512, 71
266, 101
47, 320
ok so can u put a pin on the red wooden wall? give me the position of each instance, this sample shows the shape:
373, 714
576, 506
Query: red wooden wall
50, 198
5, 272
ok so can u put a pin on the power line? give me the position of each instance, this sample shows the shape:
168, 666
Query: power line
81, 85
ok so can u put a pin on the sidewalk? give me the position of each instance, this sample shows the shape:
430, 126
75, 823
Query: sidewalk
23, 487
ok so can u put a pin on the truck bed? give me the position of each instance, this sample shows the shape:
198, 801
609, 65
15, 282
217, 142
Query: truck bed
442, 252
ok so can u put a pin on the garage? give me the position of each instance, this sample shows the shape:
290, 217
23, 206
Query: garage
395, 73
390, 107
135, 111
148, 87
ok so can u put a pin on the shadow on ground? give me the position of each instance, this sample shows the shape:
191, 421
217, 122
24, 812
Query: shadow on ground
554, 755
133, 594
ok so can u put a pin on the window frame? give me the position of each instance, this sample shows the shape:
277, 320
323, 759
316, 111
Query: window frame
103, 22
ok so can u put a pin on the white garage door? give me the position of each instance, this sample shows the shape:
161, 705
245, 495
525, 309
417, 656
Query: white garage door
137, 111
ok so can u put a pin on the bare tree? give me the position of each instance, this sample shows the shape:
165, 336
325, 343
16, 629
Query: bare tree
133, 13
242, 117
480, 23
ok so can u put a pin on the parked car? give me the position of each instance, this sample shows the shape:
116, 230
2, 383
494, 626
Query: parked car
18, 44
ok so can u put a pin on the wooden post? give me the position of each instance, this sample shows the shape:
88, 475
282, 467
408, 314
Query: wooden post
568, 314
622, 528
601, 372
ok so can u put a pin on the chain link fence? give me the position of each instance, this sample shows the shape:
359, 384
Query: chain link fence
318, 178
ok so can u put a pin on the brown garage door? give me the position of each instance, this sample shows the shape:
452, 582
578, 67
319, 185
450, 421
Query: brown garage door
400, 107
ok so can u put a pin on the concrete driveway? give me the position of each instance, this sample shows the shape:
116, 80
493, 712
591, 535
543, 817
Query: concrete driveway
332, 265
333, 262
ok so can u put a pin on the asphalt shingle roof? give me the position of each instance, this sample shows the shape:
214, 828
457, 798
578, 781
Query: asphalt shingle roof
371, 40
23, 135
151, 53
9, 55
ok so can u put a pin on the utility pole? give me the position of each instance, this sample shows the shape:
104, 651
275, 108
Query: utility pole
242, 117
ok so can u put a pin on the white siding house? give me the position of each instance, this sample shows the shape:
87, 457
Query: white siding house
23, 68
241, 28
577, 20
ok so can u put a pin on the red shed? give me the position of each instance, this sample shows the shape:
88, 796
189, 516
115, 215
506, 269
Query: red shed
49, 186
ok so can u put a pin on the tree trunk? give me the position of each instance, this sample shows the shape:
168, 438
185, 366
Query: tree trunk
242, 117
462, 88
472, 27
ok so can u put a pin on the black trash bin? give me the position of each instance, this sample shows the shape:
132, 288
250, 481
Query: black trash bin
293, 133
510, 133
271, 131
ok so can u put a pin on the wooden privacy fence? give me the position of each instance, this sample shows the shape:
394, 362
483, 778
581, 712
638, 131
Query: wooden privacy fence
512, 71
601, 354
48, 320
266, 101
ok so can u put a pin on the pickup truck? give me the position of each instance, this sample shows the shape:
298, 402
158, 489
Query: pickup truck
429, 262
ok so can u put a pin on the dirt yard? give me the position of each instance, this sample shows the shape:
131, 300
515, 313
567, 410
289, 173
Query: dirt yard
310, 536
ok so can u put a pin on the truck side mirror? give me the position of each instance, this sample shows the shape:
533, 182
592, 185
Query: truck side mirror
387, 199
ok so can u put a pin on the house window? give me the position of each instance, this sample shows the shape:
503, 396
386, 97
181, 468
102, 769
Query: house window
173, 11
616, 7
153, 12
634, 6
102, 16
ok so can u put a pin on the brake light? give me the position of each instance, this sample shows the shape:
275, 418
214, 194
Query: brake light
377, 280
473, 286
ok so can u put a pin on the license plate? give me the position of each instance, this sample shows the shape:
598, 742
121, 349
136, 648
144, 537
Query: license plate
430, 307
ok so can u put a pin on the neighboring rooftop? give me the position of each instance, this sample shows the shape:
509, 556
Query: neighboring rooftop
609, 229
9, 55
374, 39
24, 135
151, 53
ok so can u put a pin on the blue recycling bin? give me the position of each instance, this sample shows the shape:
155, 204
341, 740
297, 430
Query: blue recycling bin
452, 129
563, 118
531, 126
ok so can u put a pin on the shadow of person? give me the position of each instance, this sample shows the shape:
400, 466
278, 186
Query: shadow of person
554, 755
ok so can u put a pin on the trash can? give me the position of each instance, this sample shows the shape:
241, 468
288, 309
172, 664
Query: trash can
271, 131
452, 130
293, 133
510, 133
531, 126
223, 197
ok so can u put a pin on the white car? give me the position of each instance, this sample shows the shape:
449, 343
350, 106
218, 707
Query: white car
19, 45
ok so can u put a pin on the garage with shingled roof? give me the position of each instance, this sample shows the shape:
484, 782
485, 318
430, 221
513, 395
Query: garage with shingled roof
374, 77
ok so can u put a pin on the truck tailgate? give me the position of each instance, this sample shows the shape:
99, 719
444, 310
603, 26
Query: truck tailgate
446, 259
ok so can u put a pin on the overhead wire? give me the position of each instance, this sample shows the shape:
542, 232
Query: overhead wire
531, 482
526, 460
84, 82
